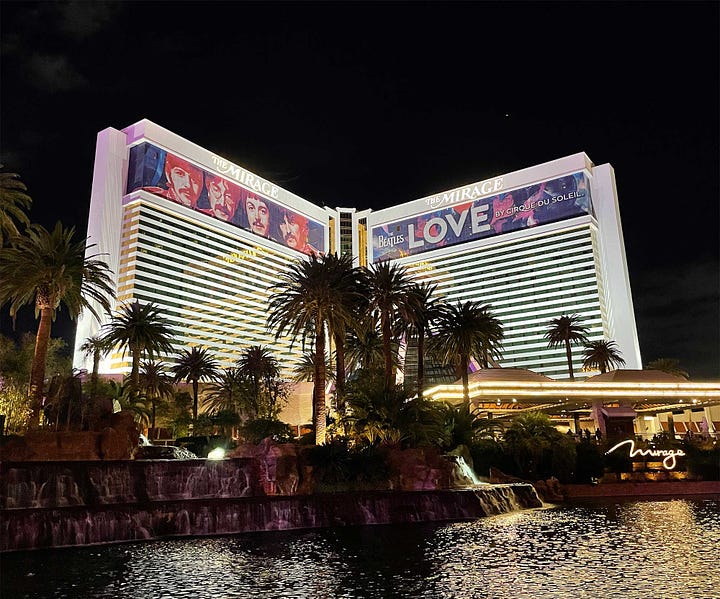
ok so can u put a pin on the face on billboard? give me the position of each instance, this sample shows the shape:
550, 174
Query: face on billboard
184, 181
221, 197
546, 202
258, 215
294, 231
166, 175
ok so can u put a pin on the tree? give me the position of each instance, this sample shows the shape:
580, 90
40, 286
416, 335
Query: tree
388, 287
563, 331
94, 347
257, 364
50, 269
532, 439
602, 355
305, 304
16, 358
349, 286
226, 391
155, 384
194, 365
669, 365
465, 330
13, 202
139, 329
365, 347
419, 311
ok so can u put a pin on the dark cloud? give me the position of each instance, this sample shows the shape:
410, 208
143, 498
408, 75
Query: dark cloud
54, 73
369, 105
678, 317
82, 19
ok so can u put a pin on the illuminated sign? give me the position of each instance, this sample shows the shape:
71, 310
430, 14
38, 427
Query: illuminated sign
465, 194
468, 219
669, 455
247, 206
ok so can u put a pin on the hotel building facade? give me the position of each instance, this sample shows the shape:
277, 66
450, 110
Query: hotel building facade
206, 241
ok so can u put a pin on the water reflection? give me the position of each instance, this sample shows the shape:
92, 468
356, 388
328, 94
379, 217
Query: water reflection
659, 549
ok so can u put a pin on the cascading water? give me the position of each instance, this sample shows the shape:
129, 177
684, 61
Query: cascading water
466, 471
59, 504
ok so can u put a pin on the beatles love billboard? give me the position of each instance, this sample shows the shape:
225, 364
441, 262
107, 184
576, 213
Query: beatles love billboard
538, 204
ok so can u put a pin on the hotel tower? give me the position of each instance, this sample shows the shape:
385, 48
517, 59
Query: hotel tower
206, 241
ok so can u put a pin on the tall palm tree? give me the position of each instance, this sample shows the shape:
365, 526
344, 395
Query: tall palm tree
195, 365
141, 330
94, 347
419, 311
669, 365
13, 202
388, 287
155, 384
602, 355
305, 303
50, 269
349, 285
365, 347
225, 392
257, 364
563, 331
465, 330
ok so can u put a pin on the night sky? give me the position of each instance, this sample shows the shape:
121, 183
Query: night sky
372, 104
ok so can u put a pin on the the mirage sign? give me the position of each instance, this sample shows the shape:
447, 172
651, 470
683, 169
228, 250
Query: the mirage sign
546, 202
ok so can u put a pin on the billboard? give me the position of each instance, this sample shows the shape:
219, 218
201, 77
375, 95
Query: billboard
169, 176
538, 204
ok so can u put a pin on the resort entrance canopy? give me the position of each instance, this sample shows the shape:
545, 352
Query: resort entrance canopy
507, 391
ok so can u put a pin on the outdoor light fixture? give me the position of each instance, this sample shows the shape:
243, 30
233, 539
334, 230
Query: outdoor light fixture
216, 454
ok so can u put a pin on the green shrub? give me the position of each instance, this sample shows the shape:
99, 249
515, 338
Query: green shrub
254, 431
589, 462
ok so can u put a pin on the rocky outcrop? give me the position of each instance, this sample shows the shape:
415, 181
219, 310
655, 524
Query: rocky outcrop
115, 440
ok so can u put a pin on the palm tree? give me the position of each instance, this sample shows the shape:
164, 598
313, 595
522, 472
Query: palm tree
350, 300
13, 203
306, 303
388, 286
257, 364
225, 392
50, 269
94, 346
669, 365
139, 329
194, 365
602, 355
563, 331
465, 330
155, 384
365, 347
419, 312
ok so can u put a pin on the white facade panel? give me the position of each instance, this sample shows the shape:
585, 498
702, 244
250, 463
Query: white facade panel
214, 279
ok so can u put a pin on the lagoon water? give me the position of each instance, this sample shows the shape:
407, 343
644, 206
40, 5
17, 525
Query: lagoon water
659, 549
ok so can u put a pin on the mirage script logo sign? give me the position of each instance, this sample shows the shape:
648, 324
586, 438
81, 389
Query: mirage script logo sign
669, 455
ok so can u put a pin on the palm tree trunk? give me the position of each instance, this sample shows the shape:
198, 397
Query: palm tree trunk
340, 374
421, 361
466, 391
37, 374
387, 352
568, 353
319, 419
96, 369
195, 399
135, 372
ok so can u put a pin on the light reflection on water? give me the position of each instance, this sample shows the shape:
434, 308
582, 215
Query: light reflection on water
643, 549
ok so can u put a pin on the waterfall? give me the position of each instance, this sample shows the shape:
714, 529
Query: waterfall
468, 472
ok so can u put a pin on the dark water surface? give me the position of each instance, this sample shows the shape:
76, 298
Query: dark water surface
640, 549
